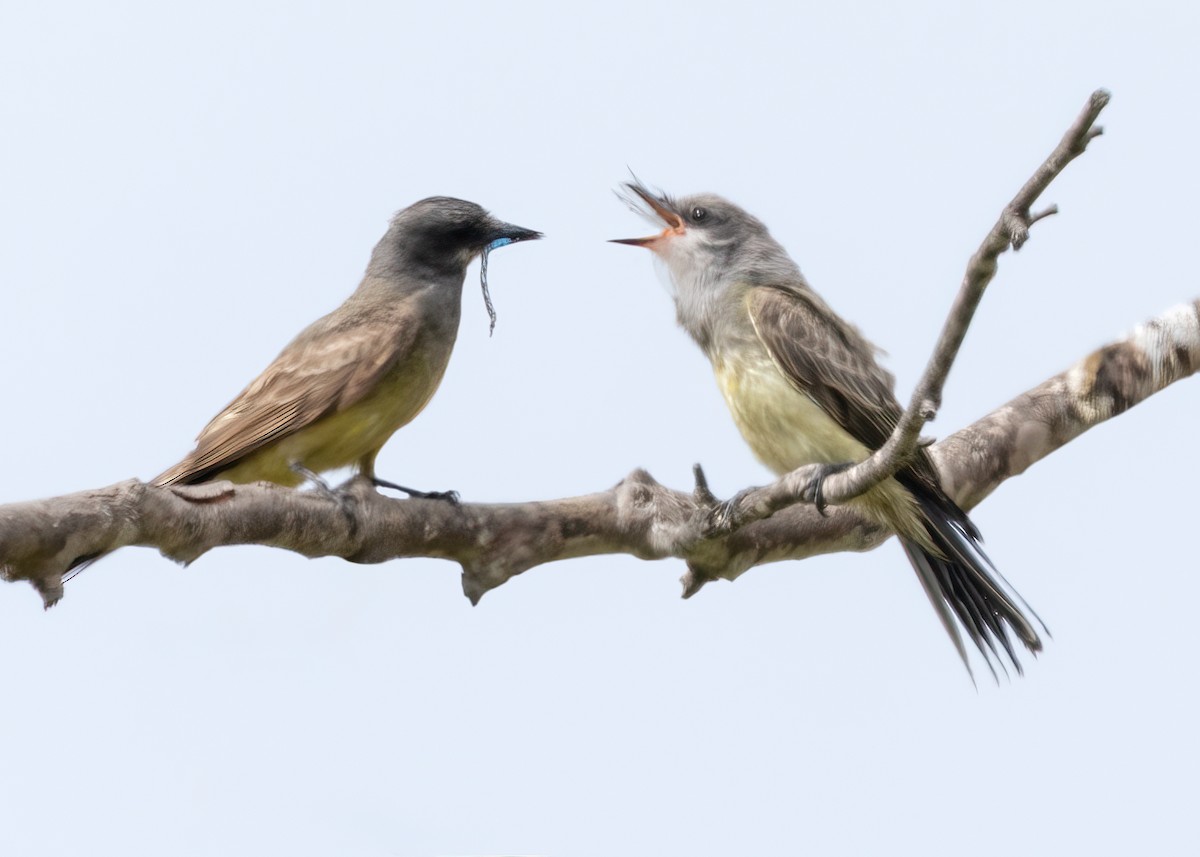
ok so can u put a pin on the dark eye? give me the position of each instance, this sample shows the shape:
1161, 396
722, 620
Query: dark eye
699, 214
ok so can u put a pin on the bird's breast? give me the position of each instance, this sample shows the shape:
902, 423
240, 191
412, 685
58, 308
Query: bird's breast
401, 394
344, 437
784, 427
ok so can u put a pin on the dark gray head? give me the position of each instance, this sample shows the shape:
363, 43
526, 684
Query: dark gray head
441, 235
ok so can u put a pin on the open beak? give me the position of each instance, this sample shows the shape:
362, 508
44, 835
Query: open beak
673, 221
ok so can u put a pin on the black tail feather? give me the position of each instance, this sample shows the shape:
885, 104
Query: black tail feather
963, 585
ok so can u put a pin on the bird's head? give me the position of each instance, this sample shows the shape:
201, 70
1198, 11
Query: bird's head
711, 249
433, 241
443, 231
700, 231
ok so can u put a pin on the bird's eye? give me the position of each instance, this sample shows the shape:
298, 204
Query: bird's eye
699, 214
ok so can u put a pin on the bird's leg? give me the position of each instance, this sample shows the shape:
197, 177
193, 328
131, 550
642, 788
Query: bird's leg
344, 501
320, 484
816, 488
366, 468
449, 496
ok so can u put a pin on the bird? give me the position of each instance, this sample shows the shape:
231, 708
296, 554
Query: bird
339, 390
804, 387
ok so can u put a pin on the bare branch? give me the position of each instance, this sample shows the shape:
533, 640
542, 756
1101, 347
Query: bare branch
1012, 227
494, 542
1106, 383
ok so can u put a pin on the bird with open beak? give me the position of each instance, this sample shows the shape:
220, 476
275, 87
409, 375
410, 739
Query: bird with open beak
804, 388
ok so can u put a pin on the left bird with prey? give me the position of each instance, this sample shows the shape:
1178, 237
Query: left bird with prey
340, 389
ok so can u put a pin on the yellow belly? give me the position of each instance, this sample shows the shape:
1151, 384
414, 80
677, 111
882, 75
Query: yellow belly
350, 437
786, 430
784, 427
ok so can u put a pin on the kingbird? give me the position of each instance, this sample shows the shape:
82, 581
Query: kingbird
804, 388
339, 390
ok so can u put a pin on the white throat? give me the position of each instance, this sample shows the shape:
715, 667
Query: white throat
693, 280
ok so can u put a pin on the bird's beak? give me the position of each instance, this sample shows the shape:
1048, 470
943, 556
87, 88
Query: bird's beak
673, 221
508, 233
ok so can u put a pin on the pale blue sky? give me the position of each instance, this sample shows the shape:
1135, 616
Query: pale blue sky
185, 188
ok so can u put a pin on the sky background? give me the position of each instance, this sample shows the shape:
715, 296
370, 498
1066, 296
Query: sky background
185, 188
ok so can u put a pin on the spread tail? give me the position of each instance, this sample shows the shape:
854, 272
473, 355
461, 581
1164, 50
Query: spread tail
966, 589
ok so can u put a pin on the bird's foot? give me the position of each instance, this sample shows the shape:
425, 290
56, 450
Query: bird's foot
725, 516
816, 488
343, 500
319, 484
450, 497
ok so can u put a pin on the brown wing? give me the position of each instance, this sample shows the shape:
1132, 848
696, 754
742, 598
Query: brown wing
828, 360
834, 364
321, 372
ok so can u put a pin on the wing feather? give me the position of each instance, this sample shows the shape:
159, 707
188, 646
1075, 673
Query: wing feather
324, 370
827, 360
834, 365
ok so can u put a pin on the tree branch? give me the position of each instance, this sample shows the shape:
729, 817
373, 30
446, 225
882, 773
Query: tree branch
39, 540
